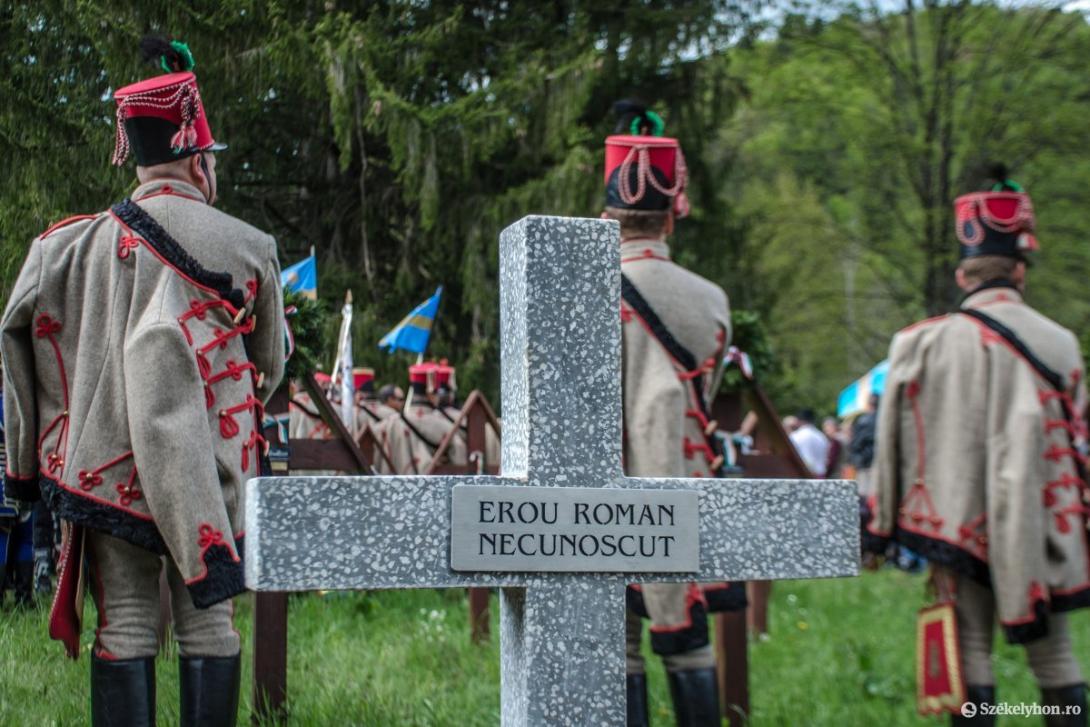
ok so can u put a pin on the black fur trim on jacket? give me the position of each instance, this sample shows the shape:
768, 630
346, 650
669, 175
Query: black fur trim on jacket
870, 542
946, 554
725, 599
97, 516
873, 543
679, 641
135, 217
1071, 601
682, 640
633, 598
1035, 629
224, 578
23, 489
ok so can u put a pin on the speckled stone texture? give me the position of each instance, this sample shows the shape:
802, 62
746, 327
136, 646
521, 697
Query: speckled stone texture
562, 634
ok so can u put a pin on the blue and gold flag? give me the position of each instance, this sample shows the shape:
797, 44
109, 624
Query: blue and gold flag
414, 330
302, 277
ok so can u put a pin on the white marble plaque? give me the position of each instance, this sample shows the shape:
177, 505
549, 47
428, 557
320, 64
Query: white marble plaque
567, 529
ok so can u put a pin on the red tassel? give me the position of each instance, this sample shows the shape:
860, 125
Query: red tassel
177, 142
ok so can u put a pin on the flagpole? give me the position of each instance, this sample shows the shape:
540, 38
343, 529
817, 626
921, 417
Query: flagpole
434, 320
420, 356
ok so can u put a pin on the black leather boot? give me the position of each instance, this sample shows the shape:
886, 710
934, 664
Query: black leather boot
696, 697
209, 690
976, 695
1064, 698
24, 583
122, 692
637, 700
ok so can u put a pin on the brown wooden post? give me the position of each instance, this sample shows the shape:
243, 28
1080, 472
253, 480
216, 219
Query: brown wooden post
774, 457
270, 637
270, 687
757, 614
733, 673
476, 416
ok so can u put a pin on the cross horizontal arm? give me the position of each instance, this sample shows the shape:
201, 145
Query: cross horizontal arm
314, 533
771, 529
351, 533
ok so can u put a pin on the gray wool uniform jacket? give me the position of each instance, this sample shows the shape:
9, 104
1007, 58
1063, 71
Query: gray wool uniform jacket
139, 346
667, 393
978, 466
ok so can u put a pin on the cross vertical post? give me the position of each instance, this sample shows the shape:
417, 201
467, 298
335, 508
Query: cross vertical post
562, 613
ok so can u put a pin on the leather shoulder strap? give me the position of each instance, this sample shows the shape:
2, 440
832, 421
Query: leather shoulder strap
1054, 379
432, 445
657, 327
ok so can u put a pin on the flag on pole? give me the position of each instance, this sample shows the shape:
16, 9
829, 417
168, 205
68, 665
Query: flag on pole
412, 333
853, 399
302, 277
344, 363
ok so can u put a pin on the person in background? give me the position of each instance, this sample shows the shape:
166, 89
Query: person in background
979, 466
140, 344
392, 396
812, 445
861, 447
834, 461
675, 326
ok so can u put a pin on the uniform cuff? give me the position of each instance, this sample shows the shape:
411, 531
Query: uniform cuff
24, 489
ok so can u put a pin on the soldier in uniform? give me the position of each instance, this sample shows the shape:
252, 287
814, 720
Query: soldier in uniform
979, 459
414, 435
446, 391
372, 412
304, 420
675, 329
140, 343
392, 398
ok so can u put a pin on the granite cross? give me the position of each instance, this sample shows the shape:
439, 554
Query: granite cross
562, 617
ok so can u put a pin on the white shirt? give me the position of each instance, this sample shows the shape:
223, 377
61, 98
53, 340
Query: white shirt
813, 447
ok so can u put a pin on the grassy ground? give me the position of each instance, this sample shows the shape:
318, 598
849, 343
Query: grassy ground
839, 653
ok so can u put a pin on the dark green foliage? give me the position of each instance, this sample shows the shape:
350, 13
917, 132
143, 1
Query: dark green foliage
749, 335
397, 138
400, 138
309, 323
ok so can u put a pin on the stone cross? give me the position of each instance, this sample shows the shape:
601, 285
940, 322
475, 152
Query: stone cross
562, 633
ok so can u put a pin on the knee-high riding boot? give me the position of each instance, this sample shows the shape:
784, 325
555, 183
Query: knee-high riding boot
122, 692
696, 697
24, 583
209, 686
637, 700
1066, 698
976, 695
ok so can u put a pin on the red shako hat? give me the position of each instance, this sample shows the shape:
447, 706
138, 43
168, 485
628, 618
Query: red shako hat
444, 376
162, 119
644, 170
999, 221
422, 374
363, 378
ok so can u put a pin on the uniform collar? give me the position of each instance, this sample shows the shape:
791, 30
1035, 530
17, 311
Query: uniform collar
175, 187
644, 247
992, 293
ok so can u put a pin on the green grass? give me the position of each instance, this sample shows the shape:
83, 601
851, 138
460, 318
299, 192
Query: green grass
840, 652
